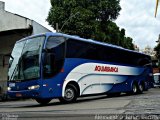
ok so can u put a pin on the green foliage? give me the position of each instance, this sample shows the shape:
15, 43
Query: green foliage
157, 49
89, 19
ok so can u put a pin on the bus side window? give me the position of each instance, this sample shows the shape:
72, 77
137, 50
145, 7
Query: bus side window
49, 64
54, 56
143, 62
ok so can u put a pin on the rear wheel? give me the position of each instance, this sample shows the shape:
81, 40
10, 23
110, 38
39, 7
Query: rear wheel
70, 94
43, 101
140, 88
145, 86
134, 89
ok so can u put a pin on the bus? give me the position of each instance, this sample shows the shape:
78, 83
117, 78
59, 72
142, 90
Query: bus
56, 65
156, 77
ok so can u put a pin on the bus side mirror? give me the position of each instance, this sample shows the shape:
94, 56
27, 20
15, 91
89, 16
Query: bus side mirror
10, 61
48, 64
49, 58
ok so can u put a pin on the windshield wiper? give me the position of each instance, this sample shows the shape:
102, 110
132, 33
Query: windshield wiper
12, 57
17, 68
13, 72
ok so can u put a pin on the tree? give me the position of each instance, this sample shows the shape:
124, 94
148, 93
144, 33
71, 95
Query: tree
157, 49
112, 34
88, 18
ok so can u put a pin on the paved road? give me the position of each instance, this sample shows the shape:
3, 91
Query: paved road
98, 107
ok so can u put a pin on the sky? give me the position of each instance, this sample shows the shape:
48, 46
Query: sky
36, 10
136, 17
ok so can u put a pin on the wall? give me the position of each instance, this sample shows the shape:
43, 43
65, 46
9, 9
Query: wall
9, 21
38, 28
15, 27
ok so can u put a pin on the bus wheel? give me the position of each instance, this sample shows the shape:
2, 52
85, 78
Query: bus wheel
145, 86
134, 89
43, 101
140, 88
69, 94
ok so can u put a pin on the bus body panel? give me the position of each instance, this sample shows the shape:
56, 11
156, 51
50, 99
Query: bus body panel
94, 80
90, 81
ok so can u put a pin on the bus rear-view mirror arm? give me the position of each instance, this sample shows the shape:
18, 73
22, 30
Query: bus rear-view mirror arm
10, 61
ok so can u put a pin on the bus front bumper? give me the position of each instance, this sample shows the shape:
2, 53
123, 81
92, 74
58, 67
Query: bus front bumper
156, 85
24, 94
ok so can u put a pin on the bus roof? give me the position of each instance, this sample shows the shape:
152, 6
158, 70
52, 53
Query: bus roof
85, 40
93, 41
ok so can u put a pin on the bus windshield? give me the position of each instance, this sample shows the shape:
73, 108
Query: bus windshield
25, 59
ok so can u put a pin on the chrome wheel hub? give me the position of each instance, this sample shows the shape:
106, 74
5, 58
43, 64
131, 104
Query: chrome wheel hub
69, 94
134, 89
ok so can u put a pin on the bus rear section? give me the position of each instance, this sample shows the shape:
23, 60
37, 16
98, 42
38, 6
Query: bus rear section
104, 68
156, 80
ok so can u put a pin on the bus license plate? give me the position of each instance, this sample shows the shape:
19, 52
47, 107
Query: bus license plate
18, 95
11, 84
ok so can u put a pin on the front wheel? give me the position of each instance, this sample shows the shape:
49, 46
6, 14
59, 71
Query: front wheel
70, 94
43, 101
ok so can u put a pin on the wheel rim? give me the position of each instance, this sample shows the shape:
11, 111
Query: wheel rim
134, 89
141, 87
69, 94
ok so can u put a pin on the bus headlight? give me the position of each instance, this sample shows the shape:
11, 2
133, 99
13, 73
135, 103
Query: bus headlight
9, 88
33, 87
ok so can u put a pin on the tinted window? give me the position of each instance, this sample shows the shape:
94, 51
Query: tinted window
86, 50
80, 49
56, 45
54, 57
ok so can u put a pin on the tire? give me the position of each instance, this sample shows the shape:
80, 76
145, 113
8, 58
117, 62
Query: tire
43, 101
134, 89
140, 88
145, 86
70, 94
4, 97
